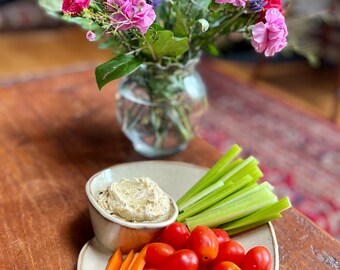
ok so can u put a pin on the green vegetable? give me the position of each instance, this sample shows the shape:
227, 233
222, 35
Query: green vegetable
214, 197
212, 175
227, 212
258, 217
229, 196
244, 193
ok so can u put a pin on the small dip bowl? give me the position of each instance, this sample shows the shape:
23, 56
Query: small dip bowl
111, 231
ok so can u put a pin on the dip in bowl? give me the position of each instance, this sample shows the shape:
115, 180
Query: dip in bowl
112, 231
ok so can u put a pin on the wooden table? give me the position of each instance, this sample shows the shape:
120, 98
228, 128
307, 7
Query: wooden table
58, 131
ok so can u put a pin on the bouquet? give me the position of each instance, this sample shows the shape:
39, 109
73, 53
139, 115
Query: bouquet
156, 45
170, 31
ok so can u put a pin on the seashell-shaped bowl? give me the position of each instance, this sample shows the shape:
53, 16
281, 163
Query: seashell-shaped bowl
111, 231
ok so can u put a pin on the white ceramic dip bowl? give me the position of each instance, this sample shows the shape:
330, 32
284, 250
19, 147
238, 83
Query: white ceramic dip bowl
111, 231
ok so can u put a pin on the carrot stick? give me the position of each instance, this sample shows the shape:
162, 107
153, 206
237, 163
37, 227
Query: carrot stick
127, 261
115, 260
138, 262
133, 261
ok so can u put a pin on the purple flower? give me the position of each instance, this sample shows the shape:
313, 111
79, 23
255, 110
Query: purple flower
270, 37
155, 3
133, 13
237, 3
74, 6
90, 36
257, 5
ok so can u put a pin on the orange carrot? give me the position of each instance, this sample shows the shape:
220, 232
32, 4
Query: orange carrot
138, 262
115, 260
127, 261
133, 261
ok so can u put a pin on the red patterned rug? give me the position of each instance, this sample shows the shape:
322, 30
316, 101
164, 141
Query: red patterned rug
299, 153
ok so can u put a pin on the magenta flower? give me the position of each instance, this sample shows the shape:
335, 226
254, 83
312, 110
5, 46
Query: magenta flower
74, 6
133, 13
270, 37
237, 3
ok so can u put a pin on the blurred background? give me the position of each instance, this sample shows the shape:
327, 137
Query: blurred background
32, 43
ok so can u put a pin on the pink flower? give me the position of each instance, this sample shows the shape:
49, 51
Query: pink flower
270, 37
133, 13
237, 3
271, 4
74, 6
90, 36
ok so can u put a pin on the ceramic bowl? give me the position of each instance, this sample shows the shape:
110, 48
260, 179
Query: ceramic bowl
111, 231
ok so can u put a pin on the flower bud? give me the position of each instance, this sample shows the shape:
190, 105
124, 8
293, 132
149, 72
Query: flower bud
90, 36
203, 25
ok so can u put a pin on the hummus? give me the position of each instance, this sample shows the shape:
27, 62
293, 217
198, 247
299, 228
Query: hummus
136, 200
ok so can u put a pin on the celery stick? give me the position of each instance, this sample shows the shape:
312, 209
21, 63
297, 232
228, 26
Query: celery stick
242, 194
235, 172
256, 173
259, 215
252, 225
214, 197
250, 168
201, 194
214, 178
233, 211
240, 170
207, 201
225, 170
208, 178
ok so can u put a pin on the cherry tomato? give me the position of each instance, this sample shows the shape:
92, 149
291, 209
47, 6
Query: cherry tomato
257, 258
226, 266
230, 251
204, 267
222, 235
183, 259
176, 235
156, 253
204, 243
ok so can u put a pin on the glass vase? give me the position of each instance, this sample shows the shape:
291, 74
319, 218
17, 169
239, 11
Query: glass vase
159, 107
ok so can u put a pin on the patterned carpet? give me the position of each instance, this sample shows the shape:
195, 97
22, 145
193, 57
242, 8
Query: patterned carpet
298, 152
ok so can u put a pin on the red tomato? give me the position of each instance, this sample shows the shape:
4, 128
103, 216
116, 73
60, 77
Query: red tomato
230, 251
176, 235
183, 259
226, 266
204, 243
222, 235
156, 253
257, 258
204, 267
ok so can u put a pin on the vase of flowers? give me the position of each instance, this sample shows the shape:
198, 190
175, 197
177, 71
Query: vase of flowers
159, 107
156, 45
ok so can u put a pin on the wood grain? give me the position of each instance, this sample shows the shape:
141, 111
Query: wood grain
303, 245
57, 132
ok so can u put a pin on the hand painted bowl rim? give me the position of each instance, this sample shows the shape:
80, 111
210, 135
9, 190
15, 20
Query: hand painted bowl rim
121, 221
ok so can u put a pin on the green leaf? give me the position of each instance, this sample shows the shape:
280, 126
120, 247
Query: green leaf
202, 4
164, 43
115, 68
181, 28
212, 49
84, 23
51, 5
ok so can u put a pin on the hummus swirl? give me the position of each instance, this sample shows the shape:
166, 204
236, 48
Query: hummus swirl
136, 200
